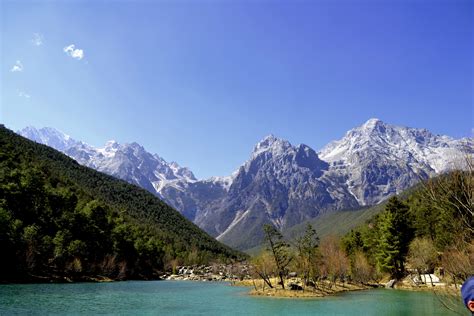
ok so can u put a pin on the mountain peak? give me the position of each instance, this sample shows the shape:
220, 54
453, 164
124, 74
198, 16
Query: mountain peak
28, 128
270, 142
372, 123
51, 131
49, 136
42, 131
112, 143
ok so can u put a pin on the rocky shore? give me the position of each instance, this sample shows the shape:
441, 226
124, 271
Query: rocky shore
216, 272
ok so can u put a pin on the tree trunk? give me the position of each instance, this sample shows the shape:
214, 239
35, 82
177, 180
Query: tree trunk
265, 279
281, 280
431, 279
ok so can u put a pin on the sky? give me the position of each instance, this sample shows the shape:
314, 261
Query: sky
201, 82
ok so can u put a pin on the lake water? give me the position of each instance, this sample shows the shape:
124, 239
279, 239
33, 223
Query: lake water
200, 298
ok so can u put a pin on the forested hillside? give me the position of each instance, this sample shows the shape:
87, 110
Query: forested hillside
433, 226
430, 226
59, 219
342, 222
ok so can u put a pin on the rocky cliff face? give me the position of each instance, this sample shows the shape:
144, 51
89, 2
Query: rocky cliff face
280, 184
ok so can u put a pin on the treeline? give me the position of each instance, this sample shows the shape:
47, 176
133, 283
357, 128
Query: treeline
59, 219
432, 227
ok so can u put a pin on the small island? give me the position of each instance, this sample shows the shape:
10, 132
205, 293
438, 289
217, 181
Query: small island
295, 289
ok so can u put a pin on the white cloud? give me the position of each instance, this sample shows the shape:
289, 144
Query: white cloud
17, 67
74, 52
77, 53
38, 39
23, 94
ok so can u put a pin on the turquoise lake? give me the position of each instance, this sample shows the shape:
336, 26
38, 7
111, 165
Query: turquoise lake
200, 298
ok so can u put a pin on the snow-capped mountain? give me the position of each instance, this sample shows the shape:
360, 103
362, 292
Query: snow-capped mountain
49, 136
378, 160
130, 162
280, 184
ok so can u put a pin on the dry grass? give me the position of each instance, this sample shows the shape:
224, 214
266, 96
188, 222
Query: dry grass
323, 289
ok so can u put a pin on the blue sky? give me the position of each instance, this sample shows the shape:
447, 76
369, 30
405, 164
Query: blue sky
200, 82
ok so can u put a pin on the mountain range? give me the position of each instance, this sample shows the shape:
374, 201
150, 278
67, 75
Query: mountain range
280, 183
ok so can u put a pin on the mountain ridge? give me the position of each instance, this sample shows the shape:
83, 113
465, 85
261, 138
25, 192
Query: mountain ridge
283, 184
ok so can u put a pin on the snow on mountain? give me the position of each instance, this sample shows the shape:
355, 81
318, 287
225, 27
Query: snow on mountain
271, 144
49, 136
378, 159
130, 162
280, 184
284, 184
224, 182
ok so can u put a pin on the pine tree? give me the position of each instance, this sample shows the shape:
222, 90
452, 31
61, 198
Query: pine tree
395, 236
280, 250
307, 246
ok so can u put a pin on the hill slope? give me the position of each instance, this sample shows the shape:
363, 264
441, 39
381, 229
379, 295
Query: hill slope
340, 223
58, 218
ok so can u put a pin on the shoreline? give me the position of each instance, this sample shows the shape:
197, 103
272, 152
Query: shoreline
305, 294
294, 290
220, 274
326, 288
215, 272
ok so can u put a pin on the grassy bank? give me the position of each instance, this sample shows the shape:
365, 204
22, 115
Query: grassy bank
259, 288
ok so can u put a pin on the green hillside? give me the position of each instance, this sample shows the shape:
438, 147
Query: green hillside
341, 222
426, 227
59, 219
337, 223
334, 223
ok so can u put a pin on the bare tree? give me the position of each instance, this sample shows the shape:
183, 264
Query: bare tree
361, 270
455, 190
264, 267
334, 259
422, 256
458, 263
